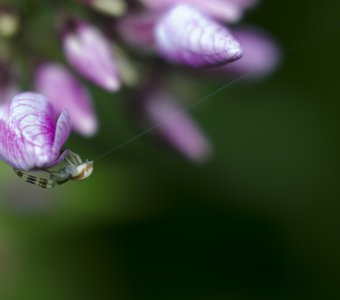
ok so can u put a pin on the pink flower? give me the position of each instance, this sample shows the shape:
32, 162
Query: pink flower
90, 53
64, 91
137, 29
261, 55
224, 10
185, 36
173, 125
30, 138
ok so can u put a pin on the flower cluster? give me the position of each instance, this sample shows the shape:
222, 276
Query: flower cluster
127, 43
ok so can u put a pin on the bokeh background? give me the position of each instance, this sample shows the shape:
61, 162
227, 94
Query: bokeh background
261, 220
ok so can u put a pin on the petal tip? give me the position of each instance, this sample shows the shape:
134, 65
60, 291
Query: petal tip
89, 127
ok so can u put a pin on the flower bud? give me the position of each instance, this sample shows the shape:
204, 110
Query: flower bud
261, 55
173, 126
89, 52
138, 29
223, 10
185, 36
30, 138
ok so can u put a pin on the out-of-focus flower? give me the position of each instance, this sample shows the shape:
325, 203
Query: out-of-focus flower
192, 33
137, 29
90, 53
9, 22
64, 91
172, 124
185, 36
260, 54
8, 86
188, 32
224, 10
30, 138
112, 8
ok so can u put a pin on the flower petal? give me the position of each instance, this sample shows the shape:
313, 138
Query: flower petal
224, 10
28, 133
185, 36
64, 91
138, 29
174, 126
62, 131
261, 55
90, 53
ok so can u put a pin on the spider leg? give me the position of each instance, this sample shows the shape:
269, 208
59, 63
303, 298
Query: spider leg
71, 163
35, 180
59, 178
75, 158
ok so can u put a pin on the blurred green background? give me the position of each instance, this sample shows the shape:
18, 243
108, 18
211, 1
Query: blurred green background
259, 221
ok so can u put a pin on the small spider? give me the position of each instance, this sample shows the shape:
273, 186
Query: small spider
70, 167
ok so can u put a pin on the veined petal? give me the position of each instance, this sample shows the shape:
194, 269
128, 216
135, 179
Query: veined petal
261, 55
64, 91
174, 126
89, 52
29, 137
186, 36
62, 131
224, 10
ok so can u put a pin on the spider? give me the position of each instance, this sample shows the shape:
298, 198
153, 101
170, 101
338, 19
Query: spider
70, 167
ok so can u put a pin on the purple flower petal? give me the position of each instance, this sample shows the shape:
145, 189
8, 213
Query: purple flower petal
174, 126
260, 57
185, 36
138, 29
90, 53
224, 10
29, 136
243, 4
63, 90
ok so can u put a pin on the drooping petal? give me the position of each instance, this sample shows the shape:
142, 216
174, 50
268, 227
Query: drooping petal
173, 125
261, 54
224, 10
186, 36
64, 91
29, 137
89, 52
